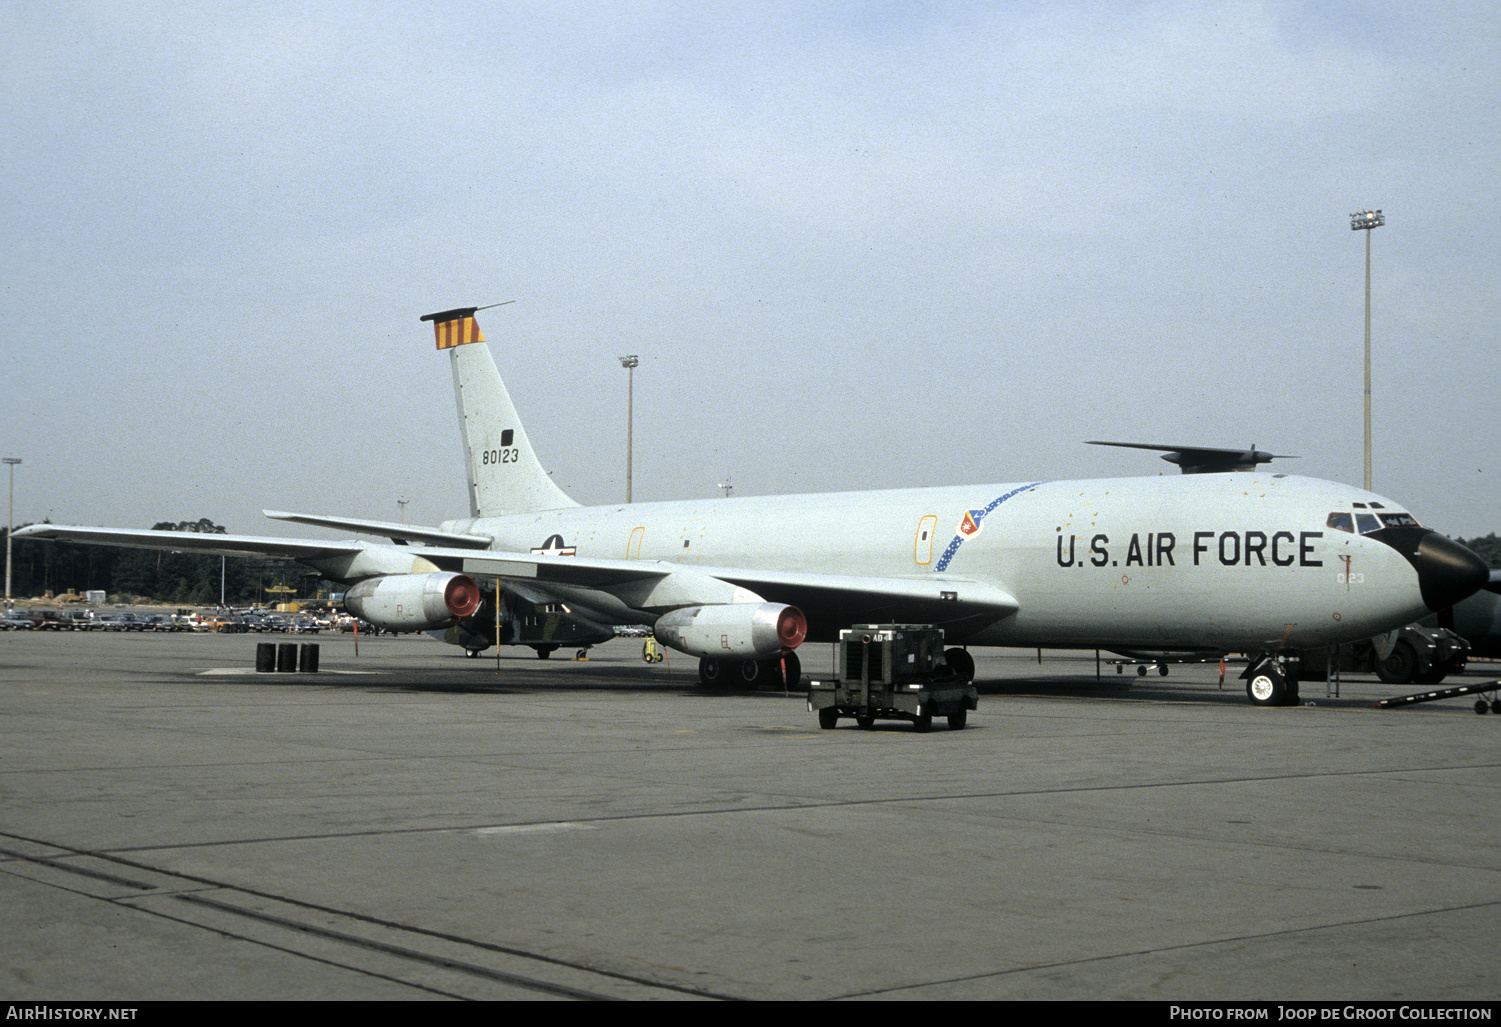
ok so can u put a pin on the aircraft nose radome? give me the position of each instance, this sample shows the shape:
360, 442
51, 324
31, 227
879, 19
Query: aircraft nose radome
1447, 571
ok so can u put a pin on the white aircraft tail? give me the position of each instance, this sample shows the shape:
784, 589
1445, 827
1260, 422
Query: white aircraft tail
504, 474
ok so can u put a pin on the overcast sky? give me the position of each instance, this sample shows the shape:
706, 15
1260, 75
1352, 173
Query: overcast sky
855, 245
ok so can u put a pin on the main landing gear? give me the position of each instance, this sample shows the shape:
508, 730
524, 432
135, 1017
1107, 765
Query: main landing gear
719, 672
1272, 679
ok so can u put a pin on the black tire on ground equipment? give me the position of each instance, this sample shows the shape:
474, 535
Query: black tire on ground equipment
1400, 667
961, 663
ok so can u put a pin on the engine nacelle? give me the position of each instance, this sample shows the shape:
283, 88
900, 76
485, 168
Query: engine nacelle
752, 631
414, 602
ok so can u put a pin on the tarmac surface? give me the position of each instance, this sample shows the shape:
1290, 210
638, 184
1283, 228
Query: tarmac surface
412, 824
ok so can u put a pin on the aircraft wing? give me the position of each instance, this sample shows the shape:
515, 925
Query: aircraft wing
830, 601
838, 599
193, 541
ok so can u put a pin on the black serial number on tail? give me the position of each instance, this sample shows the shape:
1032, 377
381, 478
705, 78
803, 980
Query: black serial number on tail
1229, 548
501, 456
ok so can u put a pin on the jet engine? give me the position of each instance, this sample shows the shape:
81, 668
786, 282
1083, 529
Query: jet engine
414, 602
751, 631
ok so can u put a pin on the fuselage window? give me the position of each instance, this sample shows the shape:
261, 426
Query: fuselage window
1340, 521
1368, 523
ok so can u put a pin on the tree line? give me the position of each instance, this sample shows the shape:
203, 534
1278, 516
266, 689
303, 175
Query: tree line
125, 574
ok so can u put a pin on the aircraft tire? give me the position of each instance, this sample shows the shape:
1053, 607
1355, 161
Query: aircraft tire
828, 717
544, 651
711, 672
753, 672
961, 663
1266, 687
471, 653
958, 720
1400, 667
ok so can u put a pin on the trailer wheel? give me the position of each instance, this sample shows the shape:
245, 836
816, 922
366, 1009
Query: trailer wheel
864, 721
961, 663
958, 720
1481, 706
1400, 667
828, 717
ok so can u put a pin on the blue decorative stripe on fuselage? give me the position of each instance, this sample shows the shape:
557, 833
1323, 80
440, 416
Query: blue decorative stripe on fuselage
958, 540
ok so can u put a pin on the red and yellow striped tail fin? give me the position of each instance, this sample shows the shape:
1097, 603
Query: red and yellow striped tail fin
455, 327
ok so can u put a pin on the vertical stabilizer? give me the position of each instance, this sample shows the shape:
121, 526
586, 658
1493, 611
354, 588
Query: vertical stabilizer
504, 474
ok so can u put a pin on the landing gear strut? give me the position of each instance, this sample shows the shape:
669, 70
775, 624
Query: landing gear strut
1272, 679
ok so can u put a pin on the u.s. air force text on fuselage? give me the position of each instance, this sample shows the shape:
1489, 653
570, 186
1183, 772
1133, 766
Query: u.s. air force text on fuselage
1228, 548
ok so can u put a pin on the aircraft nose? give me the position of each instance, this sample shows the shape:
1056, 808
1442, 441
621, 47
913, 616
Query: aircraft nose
1447, 571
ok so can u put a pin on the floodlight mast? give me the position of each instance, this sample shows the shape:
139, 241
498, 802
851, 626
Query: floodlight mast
1365, 221
10, 523
630, 363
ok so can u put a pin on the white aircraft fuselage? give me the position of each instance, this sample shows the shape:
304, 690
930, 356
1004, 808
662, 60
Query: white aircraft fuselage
1213, 561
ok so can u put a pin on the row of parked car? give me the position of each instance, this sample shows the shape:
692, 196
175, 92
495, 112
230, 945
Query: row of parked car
224, 622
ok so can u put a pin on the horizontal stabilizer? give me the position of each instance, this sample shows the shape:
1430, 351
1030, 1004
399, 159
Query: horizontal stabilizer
398, 533
1205, 459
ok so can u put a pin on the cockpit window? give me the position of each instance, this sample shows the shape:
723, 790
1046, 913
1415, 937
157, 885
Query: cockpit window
1367, 523
1340, 521
1400, 520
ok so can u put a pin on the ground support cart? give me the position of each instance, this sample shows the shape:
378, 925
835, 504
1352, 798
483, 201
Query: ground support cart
892, 672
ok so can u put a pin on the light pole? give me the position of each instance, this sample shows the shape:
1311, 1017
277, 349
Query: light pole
1364, 222
629, 363
403, 504
10, 523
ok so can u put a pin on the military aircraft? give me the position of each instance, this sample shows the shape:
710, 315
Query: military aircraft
1262, 563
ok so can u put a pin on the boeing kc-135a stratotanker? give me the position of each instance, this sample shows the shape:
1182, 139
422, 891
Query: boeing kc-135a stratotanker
1255, 562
